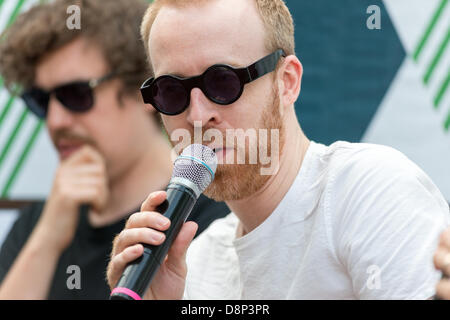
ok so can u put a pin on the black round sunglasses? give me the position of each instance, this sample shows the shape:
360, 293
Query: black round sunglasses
76, 96
222, 84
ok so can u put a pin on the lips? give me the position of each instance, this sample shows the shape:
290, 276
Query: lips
221, 154
66, 148
219, 151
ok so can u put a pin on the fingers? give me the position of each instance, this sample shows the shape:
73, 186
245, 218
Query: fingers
184, 238
441, 257
88, 181
142, 227
443, 289
176, 259
118, 263
153, 220
131, 237
94, 194
147, 227
127, 245
83, 179
90, 170
444, 239
441, 260
93, 190
153, 201
85, 154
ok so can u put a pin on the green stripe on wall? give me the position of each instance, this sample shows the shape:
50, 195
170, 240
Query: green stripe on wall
7, 108
443, 88
447, 123
13, 136
23, 156
437, 57
15, 12
429, 30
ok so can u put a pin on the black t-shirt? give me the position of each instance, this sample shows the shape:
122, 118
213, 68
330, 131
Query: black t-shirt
90, 249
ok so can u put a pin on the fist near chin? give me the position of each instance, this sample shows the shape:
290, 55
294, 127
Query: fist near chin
80, 179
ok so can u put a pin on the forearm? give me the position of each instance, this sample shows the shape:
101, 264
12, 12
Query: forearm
32, 272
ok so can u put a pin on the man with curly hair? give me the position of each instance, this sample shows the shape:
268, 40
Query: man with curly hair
85, 84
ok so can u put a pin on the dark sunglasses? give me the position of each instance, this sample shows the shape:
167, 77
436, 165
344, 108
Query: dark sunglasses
222, 84
76, 96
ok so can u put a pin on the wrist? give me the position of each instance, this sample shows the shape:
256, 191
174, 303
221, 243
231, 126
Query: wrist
57, 224
44, 238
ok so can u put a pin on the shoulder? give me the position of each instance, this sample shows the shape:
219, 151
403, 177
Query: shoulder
347, 164
370, 172
371, 186
18, 235
27, 219
367, 168
360, 158
383, 210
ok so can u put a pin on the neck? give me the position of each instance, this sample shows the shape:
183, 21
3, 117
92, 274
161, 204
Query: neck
253, 210
150, 172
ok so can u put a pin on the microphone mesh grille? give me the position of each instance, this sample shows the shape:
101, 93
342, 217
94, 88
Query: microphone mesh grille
197, 163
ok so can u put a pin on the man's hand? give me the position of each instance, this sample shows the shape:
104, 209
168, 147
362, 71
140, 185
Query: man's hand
80, 179
146, 227
442, 262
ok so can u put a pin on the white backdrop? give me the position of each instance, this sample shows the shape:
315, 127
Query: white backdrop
408, 118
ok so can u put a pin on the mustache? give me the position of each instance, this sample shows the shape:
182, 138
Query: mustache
64, 134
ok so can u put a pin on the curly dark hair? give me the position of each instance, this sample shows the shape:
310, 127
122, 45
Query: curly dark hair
113, 25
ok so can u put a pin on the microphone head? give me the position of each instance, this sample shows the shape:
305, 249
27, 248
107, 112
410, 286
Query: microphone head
197, 164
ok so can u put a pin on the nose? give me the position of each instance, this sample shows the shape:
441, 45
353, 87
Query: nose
202, 109
58, 117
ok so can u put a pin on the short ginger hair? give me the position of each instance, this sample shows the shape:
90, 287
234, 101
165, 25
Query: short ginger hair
276, 17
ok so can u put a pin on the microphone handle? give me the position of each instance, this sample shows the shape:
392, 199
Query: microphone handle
138, 275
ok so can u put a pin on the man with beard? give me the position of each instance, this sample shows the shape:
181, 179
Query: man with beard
85, 84
346, 221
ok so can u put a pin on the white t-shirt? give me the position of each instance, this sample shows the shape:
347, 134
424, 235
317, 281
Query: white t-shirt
360, 221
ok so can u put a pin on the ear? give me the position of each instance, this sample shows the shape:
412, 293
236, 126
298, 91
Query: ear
289, 80
150, 109
136, 99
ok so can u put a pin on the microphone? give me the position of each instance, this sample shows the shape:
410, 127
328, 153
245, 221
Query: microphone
193, 171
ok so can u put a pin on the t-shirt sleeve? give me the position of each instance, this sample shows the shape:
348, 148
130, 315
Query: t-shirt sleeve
387, 226
17, 237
